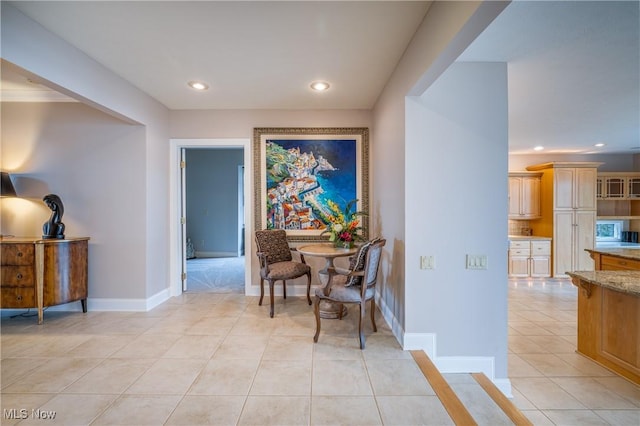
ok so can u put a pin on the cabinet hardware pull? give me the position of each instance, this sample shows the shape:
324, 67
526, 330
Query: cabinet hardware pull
19, 297
19, 276
19, 254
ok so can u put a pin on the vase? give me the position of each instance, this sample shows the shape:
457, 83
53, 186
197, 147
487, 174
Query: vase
343, 244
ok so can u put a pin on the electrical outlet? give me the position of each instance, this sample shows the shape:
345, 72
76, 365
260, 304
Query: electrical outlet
427, 262
477, 261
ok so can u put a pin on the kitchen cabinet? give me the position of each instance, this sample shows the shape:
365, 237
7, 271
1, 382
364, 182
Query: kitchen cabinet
619, 197
618, 186
568, 213
524, 195
609, 311
529, 258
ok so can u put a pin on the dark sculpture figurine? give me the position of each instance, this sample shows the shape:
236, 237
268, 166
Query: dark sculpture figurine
54, 228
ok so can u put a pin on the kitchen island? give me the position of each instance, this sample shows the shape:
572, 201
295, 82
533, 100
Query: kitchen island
616, 259
609, 311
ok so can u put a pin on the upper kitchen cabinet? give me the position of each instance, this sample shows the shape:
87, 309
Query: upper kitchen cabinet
524, 195
618, 195
575, 188
568, 213
619, 186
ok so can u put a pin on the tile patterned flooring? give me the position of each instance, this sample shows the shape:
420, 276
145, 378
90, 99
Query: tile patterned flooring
205, 359
551, 383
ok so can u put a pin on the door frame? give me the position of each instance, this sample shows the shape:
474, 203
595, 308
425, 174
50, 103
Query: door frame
175, 199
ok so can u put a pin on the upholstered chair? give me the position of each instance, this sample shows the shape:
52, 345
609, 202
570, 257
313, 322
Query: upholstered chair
355, 286
277, 264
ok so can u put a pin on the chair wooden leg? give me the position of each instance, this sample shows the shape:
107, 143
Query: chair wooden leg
284, 288
309, 288
316, 310
373, 315
271, 298
360, 331
261, 292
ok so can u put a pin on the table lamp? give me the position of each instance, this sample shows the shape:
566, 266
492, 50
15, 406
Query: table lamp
7, 189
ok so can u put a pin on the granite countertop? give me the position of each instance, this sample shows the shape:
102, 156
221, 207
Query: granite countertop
622, 281
528, 237
626, 253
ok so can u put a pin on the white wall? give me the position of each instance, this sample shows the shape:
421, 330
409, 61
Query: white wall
89, 159
44, 56
239, 124
456, 205
448, 28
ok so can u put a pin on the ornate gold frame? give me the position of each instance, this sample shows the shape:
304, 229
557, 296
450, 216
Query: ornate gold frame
262, 134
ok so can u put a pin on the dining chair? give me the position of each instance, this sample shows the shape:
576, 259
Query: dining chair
277, 264
354, 286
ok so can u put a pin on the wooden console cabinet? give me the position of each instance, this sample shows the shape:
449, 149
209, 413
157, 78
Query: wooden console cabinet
37, 273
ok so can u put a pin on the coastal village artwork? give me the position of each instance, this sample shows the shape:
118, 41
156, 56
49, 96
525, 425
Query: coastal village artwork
303, 176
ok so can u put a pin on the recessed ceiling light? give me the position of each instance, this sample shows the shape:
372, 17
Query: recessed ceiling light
198, 85
599, 145
320, 86
538, 148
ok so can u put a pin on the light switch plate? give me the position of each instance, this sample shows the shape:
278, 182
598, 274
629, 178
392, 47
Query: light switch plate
427, 262
477, 261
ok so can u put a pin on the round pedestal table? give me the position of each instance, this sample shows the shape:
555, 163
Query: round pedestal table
328, 309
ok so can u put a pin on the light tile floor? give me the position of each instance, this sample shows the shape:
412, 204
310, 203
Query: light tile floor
551, 383
219, 359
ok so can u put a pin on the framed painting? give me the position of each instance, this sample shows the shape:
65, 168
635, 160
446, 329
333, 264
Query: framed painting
300, 173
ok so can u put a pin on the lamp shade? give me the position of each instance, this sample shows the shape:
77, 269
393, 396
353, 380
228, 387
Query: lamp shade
7, 189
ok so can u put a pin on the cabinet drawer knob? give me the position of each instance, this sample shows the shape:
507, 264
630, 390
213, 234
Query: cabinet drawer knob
19, 297
19, 254
19, 276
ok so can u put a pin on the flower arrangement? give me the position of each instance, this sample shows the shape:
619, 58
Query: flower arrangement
344, 224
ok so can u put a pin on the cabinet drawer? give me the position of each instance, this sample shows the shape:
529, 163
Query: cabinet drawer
519, 244
520, 252
17, 276
18, 297
615, 263
540, 248
17, 254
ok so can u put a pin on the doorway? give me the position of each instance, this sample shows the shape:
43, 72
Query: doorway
213, 197
179, 211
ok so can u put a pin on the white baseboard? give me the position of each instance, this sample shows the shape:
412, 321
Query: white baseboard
208, 254
396, 326
105, 304
420, 341
427, 342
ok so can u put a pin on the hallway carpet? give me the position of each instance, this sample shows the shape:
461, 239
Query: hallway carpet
216, 275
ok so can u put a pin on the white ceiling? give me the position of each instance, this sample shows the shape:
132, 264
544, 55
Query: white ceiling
573, 66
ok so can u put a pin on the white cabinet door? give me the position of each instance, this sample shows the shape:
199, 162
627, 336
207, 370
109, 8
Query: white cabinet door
563, 188
540, 266
563, 247
585, 188
575, 188
585, 222
515, 195
530, 201
574, 232
524, 197
518, 266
